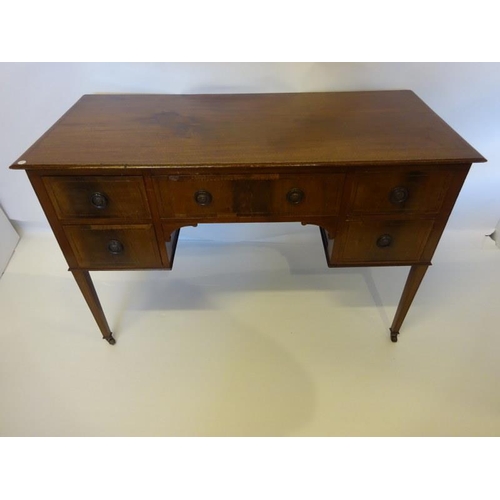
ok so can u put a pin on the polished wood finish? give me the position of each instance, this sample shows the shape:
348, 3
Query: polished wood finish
385, 240
277, 194
86, 286
167, 250
120, 197
118, 176
421, 191
441, 219
415, 277
323, 128
134, 246
50, 212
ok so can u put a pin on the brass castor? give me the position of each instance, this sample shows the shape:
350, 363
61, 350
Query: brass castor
110, 339
394, 336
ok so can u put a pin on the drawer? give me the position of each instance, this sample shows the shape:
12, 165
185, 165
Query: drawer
384, 241
98, 197
102, 246
399, 191
278, 194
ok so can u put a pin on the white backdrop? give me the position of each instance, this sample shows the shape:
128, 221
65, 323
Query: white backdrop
466, 95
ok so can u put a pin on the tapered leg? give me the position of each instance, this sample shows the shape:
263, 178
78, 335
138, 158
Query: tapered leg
413, 281
87, 288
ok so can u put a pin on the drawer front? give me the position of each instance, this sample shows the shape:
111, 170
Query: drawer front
212, 196
399, 191
385, 241
103, 246
98, 197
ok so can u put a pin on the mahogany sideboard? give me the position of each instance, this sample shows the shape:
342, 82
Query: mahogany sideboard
378, 172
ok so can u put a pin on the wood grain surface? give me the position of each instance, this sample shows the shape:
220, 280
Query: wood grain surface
321, 128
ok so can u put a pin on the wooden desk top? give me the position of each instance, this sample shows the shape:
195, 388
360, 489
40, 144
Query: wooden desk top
325, 128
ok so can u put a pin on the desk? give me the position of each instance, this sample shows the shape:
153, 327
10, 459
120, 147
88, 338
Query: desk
118, 176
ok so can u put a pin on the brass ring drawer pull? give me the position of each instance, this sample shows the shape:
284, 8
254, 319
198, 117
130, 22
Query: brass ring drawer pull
203, 198
115, 247
99, 200
384, 241
398, 195
295, 196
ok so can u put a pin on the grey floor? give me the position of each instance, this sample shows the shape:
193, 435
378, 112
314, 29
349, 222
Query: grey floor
252, 338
